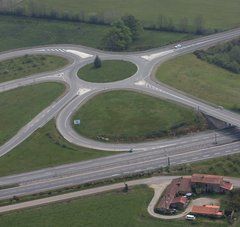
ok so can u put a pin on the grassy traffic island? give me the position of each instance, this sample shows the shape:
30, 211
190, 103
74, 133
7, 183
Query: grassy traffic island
21, 105
27, 65
110, 71
203, 80
125, 116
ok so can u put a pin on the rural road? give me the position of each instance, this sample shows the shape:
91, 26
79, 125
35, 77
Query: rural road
146, 156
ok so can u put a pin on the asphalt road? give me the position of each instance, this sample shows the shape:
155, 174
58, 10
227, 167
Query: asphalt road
146, 156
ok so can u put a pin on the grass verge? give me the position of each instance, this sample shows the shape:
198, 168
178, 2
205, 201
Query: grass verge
225, 166
22, 32
45, 148
110, 71
203, 80
115, 208
19, 106
125, 116
28, 65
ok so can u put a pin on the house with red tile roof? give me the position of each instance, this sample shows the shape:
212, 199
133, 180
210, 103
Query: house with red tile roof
174, 194
207, 210
172, 198
203, 183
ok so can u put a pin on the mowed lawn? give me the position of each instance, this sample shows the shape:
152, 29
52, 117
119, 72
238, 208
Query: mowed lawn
110, 71
21, 105
127, 116
216, 13
45, 148
28, 65
114, 208
203, 80
20, 32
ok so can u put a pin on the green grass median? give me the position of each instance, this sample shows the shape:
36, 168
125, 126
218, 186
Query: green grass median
125, 116
110, 71
21, 105
203, 80
27, 65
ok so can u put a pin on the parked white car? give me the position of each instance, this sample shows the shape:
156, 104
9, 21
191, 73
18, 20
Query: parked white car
190, 217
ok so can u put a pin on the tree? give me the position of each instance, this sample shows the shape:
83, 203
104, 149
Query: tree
134, 25
97, 62
119, 37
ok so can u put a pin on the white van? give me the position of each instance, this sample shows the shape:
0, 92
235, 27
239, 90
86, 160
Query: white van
190, 217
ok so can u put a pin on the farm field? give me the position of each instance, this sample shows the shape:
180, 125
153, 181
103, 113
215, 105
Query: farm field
120, 116
19, 32
148, 11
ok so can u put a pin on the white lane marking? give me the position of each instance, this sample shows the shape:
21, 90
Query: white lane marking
80, 54
205, 156
156, 55
141, 83
83, 91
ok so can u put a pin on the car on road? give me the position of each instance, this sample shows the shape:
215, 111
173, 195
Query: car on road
178, 46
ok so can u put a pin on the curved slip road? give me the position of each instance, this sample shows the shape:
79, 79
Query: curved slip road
146, 156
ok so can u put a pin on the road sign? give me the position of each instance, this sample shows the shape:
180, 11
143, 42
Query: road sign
77, 122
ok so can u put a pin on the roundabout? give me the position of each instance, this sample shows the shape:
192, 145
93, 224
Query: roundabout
146, 155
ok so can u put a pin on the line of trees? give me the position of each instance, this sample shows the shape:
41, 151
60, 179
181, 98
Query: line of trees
184, 25
38, 9
226, 55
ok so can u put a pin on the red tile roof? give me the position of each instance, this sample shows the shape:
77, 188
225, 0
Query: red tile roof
207, 210
180, 199
227, 185
206, 179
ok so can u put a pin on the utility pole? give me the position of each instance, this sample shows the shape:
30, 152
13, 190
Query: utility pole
168, 161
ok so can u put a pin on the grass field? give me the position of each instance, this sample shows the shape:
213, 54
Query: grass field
19, 106
28, 65
110, 71
114, 208
129, 116
43, 149
227, 15
19, 32
203, 80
